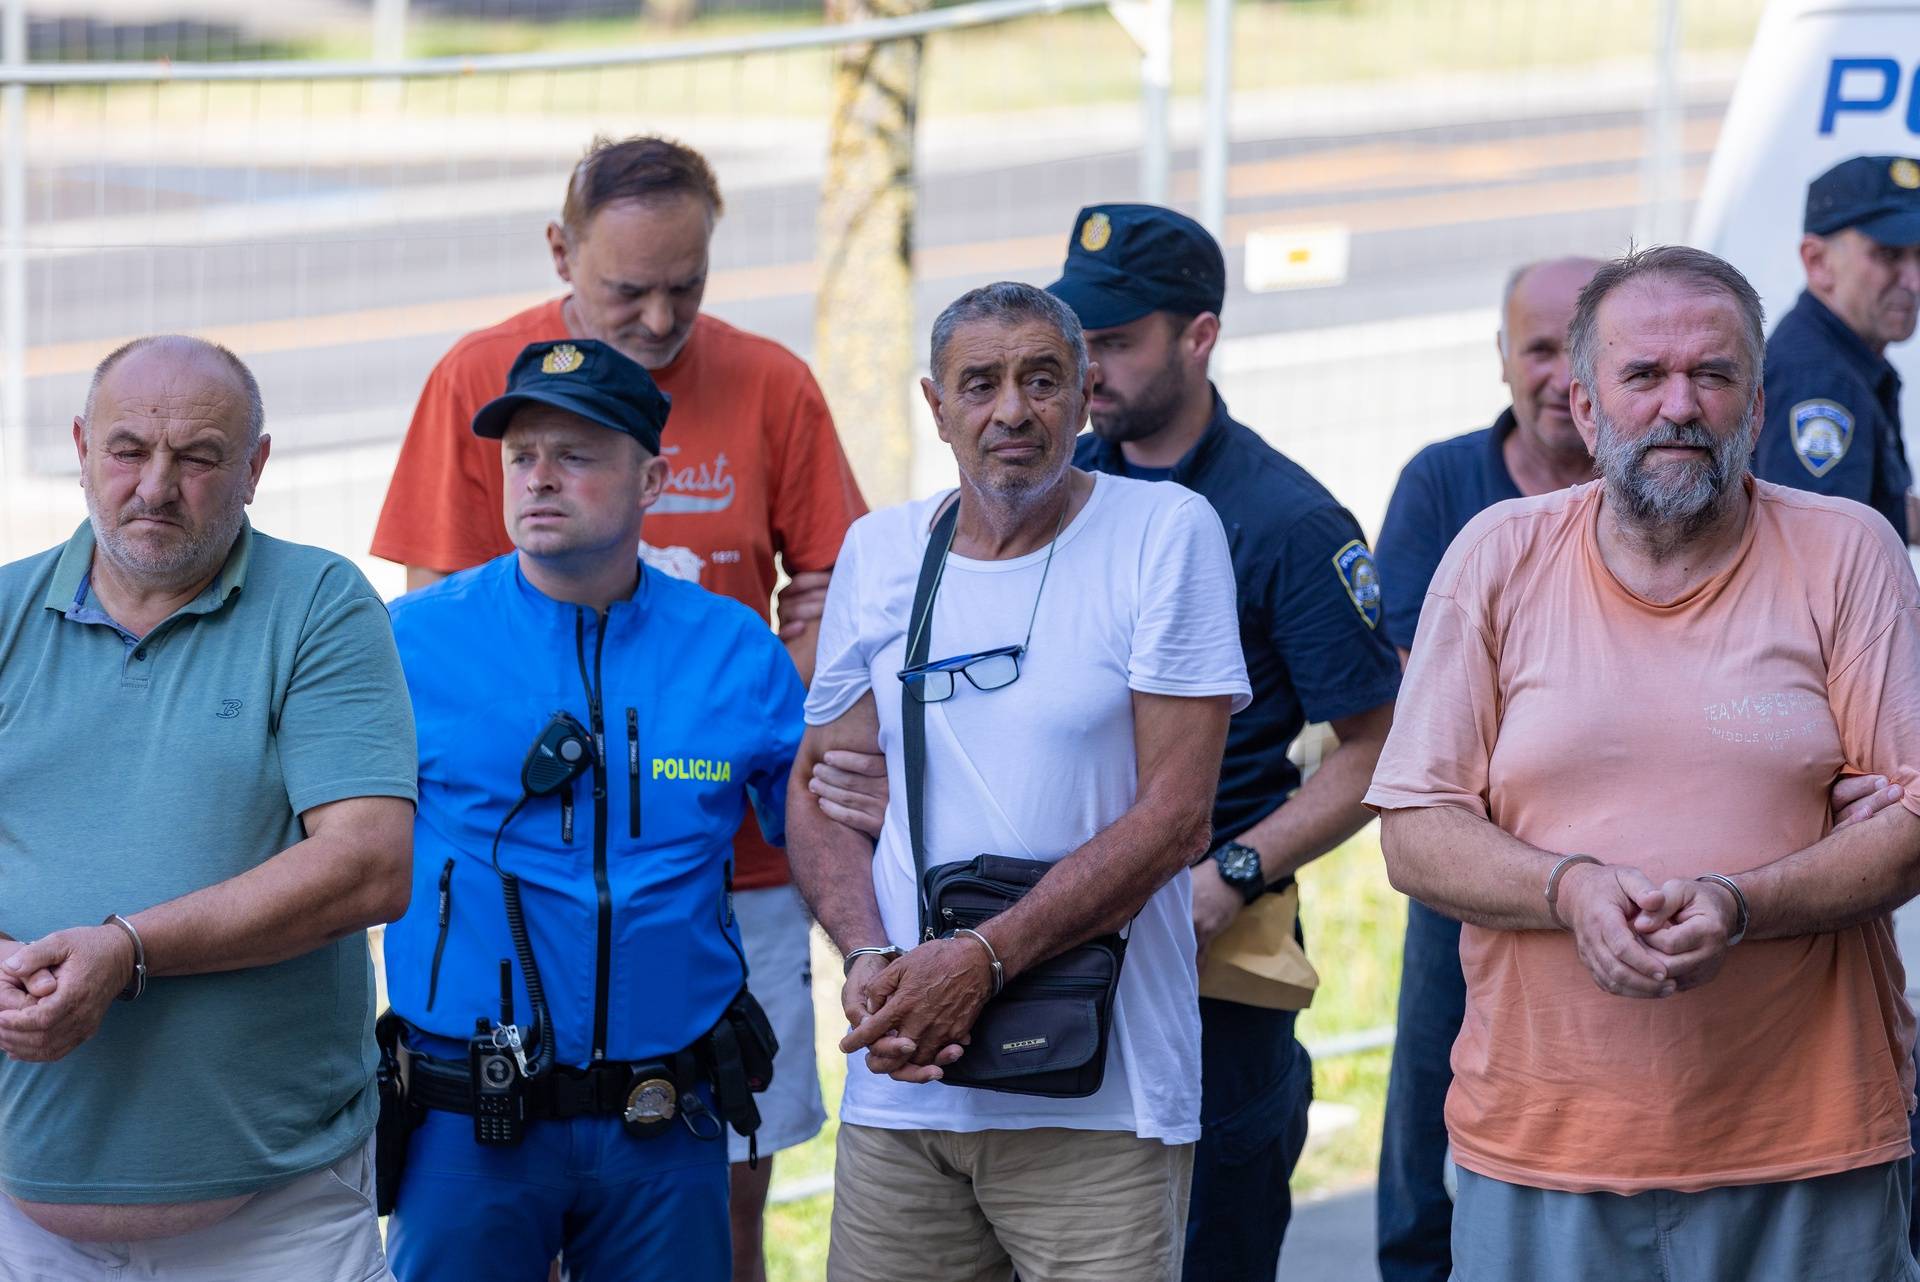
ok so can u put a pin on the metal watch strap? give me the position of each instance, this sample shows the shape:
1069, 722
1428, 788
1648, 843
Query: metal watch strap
1743, 914
888, 951
1553, 884
137, 984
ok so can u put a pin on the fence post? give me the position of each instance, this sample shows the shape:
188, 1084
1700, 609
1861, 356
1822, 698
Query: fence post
1216, 131
1156, 97
13, 244
389, 30
1150, 24
1661, 171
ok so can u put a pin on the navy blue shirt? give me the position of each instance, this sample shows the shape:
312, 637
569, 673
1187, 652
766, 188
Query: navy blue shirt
1440, 489
1308, 599
1833, 414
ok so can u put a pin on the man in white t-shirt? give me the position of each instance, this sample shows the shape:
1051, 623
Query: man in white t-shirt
1101, 757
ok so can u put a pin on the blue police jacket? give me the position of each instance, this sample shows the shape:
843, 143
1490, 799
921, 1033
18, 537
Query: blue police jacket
1833, 414
624, 874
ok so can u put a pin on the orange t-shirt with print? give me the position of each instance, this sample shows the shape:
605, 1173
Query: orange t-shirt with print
1694, 736
756, 471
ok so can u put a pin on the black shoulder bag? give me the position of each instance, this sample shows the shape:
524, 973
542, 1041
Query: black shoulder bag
1046, 1032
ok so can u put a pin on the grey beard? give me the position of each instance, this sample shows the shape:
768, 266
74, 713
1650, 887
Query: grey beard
200, 554
1676, 511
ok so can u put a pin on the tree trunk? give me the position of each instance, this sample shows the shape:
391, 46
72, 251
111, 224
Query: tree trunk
863, 318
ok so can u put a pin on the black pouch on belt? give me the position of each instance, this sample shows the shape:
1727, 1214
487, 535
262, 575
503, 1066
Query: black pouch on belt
399, 1114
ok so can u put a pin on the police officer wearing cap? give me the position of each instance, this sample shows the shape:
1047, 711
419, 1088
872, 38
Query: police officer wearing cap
568, 982
1148, 285
1832, 397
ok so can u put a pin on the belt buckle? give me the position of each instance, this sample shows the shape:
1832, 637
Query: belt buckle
652, 1102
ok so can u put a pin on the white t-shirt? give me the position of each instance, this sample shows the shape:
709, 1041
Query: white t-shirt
1140, 597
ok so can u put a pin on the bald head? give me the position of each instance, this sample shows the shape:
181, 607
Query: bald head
170, 451
1543, 284
1538, 305
173, 358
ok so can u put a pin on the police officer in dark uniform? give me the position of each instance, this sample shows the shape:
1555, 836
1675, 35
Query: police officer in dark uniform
1148, 284
1833, 399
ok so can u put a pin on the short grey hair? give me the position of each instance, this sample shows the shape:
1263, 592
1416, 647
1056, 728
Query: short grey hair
242, 377
1669, 262
1009, 302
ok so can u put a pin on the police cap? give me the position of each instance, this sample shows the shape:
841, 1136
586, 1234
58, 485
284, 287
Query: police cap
1878, 195
1127, 260
582, 377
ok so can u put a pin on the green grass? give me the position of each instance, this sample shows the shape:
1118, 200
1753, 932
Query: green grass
1074, 59
1354, 921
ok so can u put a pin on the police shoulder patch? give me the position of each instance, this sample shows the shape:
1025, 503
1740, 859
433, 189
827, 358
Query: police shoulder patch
1821, 432
1359, 576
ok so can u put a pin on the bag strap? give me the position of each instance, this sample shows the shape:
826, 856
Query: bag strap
913, 713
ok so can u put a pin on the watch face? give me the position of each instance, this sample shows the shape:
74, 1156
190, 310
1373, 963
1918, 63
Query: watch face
1240, 863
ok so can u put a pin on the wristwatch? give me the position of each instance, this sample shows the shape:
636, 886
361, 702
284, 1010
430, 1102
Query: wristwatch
1240, 868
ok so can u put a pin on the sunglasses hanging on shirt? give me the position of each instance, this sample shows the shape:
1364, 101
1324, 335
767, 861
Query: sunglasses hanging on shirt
933, 681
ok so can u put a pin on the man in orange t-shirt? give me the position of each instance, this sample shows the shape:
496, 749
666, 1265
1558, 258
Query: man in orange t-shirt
756, 473
1611, 760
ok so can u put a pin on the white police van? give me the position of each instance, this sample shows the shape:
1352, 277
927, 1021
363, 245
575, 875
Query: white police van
1825, 80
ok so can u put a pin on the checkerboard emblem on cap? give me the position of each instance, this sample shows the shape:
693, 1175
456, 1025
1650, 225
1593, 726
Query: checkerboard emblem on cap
1904, 173
561, 359
1095, 233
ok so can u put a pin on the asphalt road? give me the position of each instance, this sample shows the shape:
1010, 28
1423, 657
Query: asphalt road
343, 322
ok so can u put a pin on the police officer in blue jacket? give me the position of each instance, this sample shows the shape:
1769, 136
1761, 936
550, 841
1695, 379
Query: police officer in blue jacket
1833, 399
570, 975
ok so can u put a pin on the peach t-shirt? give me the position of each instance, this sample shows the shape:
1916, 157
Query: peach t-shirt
756, 469
1699, 736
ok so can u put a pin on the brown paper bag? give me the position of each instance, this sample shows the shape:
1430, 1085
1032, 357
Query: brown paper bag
1257, 962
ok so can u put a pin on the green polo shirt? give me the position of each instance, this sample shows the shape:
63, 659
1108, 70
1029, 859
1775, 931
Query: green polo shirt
136, 771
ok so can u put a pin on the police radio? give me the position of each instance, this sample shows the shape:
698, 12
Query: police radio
497, 1069
497, 1059
563, 750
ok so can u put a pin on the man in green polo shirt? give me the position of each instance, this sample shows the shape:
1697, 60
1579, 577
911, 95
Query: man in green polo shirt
205, 799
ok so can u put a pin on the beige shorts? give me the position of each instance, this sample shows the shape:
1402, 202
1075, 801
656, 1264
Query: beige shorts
317, 1228
1057, 1205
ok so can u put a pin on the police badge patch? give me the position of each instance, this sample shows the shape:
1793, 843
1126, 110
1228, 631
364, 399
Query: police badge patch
1358, 575
1821, 431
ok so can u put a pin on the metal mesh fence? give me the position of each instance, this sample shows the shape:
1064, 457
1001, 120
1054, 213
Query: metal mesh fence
1391, 161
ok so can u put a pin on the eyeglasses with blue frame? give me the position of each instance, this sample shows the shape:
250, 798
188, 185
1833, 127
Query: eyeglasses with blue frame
996, 669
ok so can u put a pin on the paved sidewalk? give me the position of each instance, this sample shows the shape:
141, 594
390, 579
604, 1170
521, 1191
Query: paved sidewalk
1331, 1239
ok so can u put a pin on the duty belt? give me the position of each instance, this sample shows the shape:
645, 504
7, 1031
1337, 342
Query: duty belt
560, 1093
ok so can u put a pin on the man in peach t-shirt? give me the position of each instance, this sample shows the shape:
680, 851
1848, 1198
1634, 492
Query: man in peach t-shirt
1611, 760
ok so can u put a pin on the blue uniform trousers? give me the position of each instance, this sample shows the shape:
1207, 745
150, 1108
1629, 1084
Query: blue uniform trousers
1256, 1082
1414, 1213
621, 1209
